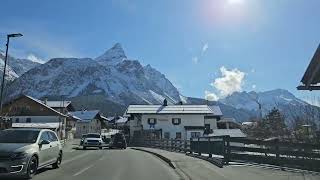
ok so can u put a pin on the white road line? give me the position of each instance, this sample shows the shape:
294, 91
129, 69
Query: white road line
102, 158
83, 170
75, 158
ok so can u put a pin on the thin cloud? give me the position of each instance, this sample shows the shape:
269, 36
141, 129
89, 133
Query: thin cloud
254, 86
195, 60
34, 58
205, 48
210, 96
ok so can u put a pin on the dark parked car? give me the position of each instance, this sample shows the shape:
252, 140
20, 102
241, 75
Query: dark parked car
119, 141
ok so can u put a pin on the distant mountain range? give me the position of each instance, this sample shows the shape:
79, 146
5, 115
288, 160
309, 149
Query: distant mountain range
16, 67
112, 81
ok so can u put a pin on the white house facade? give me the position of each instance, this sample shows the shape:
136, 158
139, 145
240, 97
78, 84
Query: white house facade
172, 121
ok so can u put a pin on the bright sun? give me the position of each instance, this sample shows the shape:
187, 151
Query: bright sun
235, 1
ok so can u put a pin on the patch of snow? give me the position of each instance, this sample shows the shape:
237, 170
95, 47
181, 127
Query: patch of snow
157, 96
97, 91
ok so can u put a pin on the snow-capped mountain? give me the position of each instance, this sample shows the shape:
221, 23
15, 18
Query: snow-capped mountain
10, 73
16, 66
111, 76
267, 99
112, 56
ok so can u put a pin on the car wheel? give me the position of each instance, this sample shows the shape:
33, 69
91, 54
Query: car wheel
100, 147
57, 164
32, 167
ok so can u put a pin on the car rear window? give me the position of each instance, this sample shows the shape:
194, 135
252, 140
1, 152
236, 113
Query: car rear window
93, 136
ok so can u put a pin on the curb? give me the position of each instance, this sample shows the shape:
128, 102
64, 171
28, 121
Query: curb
168, 161
214, 161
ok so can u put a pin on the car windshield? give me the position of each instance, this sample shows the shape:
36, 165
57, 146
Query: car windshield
18, 136
232, 82
93, 136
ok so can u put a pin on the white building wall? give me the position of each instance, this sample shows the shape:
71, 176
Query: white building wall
212, 122
164, 122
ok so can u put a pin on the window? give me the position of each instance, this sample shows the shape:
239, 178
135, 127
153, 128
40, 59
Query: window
195, 134
17, 120
178, 135
176, 121
45, 136
152, 121
222, 125
207, 129
52, 136
28, 120
167, 135
84, 127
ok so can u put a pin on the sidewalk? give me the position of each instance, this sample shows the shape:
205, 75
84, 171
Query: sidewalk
193, 168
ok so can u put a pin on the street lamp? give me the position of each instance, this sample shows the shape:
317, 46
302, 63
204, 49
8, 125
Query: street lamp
5, 66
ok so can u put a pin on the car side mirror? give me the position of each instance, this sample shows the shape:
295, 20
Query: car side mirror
42, 142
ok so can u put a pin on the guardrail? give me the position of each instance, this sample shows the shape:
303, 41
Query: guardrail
286, 154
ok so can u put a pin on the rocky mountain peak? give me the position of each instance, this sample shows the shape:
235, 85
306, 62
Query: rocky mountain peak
112, 56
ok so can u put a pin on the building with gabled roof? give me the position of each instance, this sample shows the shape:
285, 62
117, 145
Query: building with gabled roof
26, 111
172, 121
88, 121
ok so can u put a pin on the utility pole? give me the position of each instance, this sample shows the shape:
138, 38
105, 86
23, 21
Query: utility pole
5, 67
3, 120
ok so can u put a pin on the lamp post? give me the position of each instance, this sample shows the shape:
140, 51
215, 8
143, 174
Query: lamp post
5, 67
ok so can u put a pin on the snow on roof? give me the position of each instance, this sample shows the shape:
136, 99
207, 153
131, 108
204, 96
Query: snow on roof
174, 109
85, 115
36, 125
110, 118
248, 123
40, 102
55, 104
228, 132
122, 120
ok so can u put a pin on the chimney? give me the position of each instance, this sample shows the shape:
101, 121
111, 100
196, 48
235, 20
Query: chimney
165, 102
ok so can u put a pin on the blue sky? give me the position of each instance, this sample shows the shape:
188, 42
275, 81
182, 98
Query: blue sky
258, 44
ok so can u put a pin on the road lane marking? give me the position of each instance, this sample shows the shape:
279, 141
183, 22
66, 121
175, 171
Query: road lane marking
83, 170
102, 158
75, 157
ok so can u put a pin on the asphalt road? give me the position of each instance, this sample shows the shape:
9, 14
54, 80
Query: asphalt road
108, 164
129, 164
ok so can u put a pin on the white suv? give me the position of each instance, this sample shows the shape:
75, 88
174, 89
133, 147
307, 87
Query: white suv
92, 140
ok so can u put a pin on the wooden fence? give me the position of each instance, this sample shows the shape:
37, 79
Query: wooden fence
286, 154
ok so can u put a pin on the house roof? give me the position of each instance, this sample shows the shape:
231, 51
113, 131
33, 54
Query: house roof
122, 120
228, 132
85, 115
228, 120
174, 109
40, 102
311, 77
56, 104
